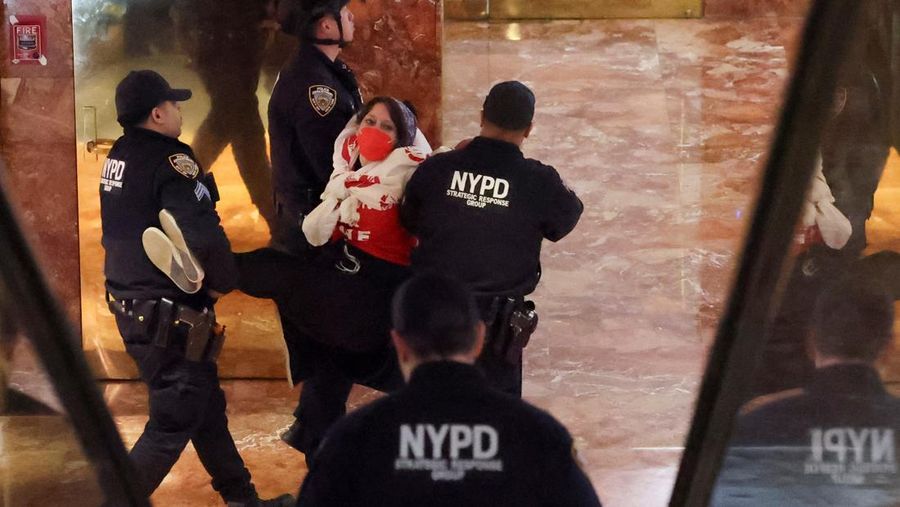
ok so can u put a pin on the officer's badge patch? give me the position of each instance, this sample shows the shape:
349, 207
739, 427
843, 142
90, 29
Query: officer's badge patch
185, 165
322, 98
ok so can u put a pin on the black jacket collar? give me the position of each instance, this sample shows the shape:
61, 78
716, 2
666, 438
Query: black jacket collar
494, 145
308, 51
446, 376
847, 379
139, 132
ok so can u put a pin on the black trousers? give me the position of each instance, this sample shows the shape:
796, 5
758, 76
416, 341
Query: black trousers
186, 404
501, 374
323, 399
335, 326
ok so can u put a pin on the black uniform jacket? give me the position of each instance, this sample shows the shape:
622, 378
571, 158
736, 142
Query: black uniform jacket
831, 443
447, 439
312, 102
480, 214
144, 173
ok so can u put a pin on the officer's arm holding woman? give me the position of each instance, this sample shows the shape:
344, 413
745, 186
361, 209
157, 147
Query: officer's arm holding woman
184, 193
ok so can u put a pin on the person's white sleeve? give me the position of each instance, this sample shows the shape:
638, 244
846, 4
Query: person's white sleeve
344, 155
421, 143
319, 225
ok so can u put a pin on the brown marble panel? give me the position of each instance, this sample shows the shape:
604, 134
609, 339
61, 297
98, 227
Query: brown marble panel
37, 142
38, 110
397, 51
58, 38
48, 212
752, 8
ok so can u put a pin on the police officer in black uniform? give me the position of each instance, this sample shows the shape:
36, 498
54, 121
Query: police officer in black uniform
314, 98
480, 214
834, 441
171, 335
447, 438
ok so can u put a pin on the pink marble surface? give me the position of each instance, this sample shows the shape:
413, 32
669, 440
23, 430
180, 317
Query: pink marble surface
397, 51
660, 126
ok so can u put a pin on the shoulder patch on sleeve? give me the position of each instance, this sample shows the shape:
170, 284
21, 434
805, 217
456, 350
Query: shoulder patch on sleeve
322, 99
185, 165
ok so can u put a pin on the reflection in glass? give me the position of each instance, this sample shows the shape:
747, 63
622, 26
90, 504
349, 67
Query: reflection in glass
228, 52
823, 426
41, 461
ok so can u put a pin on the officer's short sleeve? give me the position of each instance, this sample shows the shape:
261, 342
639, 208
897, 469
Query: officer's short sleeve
329, 481
565, 483
561, 207
180, 188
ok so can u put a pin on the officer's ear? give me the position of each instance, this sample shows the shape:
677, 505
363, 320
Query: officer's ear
482, 118
323, 25
528, 130
403, 349
156, 115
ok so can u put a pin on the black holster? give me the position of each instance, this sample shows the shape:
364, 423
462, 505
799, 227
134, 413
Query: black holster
159, 318
201, 342
512, 321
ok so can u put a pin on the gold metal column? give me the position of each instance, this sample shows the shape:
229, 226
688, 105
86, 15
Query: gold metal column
571, 9
466, 9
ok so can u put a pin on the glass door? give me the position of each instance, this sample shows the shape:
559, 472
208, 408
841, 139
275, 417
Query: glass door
215, 49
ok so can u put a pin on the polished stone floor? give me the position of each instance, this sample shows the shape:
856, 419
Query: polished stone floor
661, 127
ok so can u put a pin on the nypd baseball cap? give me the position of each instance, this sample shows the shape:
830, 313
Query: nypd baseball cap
509, 105
140, 92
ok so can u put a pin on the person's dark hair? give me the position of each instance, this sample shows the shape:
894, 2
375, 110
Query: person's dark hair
853, 320
436, 316
402, 115
510, 106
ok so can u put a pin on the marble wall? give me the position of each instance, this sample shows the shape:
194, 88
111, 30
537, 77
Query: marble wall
753, 8
397, 51
37, 141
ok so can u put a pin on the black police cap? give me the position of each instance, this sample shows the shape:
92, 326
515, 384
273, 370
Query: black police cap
509, 105
298, 16
140, 92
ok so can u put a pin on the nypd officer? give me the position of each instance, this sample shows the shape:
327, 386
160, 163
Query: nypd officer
172, 336
480, 213
835, 439
314, 98
447, 438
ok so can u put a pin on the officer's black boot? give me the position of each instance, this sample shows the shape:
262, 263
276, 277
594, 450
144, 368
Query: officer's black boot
282, 501
296, 437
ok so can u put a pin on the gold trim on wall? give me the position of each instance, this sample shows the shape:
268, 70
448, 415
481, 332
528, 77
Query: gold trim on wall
571, 9
466, 9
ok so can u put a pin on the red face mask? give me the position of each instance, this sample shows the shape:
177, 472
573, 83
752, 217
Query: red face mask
374, 144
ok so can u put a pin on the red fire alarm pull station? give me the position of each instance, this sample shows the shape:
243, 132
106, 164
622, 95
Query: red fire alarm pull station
28, 39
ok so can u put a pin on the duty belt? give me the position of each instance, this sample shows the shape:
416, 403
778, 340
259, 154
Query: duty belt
159, 318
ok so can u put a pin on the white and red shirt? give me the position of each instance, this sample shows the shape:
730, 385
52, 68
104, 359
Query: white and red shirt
363, 205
